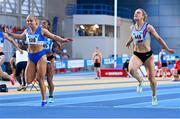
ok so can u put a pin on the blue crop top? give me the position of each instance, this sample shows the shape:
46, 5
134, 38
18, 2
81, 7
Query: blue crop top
48, 44
36, 38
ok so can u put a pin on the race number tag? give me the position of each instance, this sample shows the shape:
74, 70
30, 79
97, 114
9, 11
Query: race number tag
46, 46
138, 36
33, 39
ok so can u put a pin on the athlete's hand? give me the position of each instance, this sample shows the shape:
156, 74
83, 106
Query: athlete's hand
128, 44
67, 40
60, 45
21, 51
171, 51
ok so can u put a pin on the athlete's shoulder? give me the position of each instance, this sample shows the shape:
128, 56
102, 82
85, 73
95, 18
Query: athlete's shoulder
149, 25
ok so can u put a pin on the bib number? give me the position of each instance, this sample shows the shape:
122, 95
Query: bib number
33, 38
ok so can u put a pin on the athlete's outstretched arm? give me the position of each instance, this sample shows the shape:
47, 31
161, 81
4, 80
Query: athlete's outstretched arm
12, 41
54, 37
17, 36
152, 30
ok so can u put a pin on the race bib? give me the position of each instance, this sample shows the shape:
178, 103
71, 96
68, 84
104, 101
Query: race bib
33, 39
138, 36
46, 46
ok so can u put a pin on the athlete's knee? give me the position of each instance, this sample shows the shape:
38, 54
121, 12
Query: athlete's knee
49, 81
153, 81
51, 86
132, 71
41, 77
29, 81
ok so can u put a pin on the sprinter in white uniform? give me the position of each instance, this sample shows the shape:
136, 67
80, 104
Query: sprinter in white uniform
143, 54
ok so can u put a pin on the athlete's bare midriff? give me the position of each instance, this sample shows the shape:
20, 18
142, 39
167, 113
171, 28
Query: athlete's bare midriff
35, 48
142, 47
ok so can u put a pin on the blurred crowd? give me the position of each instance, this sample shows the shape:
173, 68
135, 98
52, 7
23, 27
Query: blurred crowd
13, 29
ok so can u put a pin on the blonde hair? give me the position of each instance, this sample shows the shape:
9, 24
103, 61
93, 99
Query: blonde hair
144, 14
33, 17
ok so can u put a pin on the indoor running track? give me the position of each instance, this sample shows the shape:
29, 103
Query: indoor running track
117, 102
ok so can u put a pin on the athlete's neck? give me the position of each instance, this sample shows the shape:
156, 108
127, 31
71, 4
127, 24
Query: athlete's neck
33, 29
139, 24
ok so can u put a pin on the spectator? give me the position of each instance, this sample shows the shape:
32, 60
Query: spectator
163, 61
97, 57
125, 65
176, 71
21, 62
65, 55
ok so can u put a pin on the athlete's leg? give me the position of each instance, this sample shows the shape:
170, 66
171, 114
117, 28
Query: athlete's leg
30, 72
134, 65
41, 72
96, 70
99, 72
50, 73
4, 74
13, 68
150, 67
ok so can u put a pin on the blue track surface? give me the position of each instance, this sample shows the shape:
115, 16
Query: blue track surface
99, 103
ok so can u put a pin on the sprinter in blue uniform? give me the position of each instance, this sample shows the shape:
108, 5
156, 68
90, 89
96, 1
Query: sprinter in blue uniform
143, 54
48, 47
36, 66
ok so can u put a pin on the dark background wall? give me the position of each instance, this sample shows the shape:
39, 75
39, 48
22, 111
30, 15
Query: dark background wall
164, 15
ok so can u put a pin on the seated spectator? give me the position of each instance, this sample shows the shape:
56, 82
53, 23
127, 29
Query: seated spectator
158, 69
65, 55
164, 64
176, 71
125, 65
